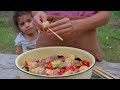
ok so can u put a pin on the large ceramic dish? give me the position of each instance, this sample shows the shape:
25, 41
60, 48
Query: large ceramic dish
49, 51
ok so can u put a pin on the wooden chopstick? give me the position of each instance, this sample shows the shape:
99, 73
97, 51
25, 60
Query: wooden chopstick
56, 34
103, 73
98, 74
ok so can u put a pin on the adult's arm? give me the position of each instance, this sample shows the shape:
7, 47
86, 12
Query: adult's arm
99, 19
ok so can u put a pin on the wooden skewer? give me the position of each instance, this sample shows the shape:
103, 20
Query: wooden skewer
45, 24
56, 34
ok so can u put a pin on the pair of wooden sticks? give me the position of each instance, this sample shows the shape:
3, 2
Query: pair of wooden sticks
103, 74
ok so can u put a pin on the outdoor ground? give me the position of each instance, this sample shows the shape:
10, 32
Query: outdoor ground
108, 35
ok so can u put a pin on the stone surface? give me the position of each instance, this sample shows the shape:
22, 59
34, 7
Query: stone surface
112, 68
8, 70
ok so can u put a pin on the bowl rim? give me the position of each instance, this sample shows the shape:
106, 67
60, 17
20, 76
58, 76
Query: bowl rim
59, 76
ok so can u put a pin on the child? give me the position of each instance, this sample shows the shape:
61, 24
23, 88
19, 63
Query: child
28, 34
77, 28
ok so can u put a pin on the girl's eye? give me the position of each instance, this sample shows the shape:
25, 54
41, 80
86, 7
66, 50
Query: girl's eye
21, 24
29, 20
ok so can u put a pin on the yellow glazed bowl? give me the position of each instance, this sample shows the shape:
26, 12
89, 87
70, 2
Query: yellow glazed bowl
45, 52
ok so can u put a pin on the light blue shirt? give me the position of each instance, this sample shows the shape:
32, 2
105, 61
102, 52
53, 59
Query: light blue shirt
20, 40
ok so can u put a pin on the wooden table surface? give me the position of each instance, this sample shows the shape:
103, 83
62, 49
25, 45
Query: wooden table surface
8, 70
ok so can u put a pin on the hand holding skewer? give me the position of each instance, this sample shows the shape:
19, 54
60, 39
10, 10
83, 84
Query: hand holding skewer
45, 24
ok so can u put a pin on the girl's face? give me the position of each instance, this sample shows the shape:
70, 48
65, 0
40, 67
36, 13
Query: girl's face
25, 24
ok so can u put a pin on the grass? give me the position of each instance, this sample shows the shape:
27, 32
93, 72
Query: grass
108, 35
109, 38
7, 36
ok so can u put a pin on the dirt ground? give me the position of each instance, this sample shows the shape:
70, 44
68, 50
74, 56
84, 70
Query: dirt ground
6, 15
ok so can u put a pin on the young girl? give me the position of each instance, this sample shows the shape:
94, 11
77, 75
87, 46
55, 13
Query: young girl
77, 28
28, 34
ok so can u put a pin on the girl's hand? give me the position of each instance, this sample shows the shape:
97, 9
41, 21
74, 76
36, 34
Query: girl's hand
19, 50
61, 26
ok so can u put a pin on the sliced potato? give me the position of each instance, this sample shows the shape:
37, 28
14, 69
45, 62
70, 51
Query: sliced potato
39, 70
68, 72
32, 70
83, 68
49, 72
72, 56
45, 24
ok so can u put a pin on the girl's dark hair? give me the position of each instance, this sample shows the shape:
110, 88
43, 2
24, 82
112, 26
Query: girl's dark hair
18, 14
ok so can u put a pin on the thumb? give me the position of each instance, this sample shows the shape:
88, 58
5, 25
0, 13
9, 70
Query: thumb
44, 18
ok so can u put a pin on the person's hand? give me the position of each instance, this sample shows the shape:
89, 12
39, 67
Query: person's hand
61, 26
39, 18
